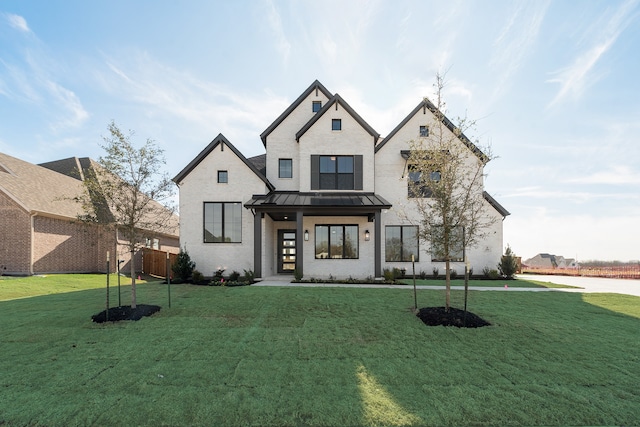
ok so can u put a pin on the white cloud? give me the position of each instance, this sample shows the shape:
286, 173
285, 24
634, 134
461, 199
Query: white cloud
578, 76
18, 22
283, 46
618, 175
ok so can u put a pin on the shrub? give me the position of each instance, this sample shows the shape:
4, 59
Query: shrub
423, 274
197, 277
183, 267
297, 275
490, 274
453, 273
435, 272
508, 264
234, 276
249, 276
388, 275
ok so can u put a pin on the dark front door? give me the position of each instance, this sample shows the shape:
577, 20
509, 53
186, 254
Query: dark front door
286, 251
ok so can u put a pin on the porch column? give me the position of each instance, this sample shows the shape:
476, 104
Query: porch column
299, 241
377, 226
257, 244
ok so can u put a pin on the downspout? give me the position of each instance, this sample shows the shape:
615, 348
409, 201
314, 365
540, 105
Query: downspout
32, 243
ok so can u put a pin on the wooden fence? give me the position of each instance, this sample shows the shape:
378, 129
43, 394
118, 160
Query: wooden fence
154, 262
622, 272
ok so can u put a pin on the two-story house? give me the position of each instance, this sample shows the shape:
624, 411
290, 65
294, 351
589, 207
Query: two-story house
329, 197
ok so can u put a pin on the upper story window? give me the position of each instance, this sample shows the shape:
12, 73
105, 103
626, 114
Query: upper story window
285, 168
223, 177
415, 183
222, 222
316, 106
336, 172
424, 130
336, 124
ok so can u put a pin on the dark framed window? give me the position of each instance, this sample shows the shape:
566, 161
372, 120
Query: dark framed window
416, 186
285, 168
456, 248
223, 177
316, 106
336, 124
336, 241
424, 130
222, 222
401, 242
336, 172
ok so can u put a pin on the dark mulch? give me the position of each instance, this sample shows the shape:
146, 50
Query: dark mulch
125, 313
439, 316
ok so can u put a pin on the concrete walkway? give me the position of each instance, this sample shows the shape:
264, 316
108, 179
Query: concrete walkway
588, 284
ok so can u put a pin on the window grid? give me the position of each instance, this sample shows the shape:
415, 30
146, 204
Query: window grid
336, 173
285, 168
222, 222
401, 242
336, 241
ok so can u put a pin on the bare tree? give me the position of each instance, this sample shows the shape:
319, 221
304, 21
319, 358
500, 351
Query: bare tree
446, 186
124, 192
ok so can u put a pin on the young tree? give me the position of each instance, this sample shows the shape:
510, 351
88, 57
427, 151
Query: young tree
446, 171
124, 192
508, 263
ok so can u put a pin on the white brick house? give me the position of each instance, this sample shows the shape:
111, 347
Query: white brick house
329, 197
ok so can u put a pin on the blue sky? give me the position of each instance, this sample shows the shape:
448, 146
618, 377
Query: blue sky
553, 86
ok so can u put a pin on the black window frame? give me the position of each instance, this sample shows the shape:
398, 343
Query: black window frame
316, 106
280, 175
424, 131
225, 223
341, 180
344, 248
414, 179
336, 124
223, 177
403, 244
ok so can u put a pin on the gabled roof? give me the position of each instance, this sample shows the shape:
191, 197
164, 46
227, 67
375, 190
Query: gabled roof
220, 139
316, 85
39, 190
497, 206
337, 99
428, 104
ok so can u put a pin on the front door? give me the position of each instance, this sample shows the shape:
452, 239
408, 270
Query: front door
286, 251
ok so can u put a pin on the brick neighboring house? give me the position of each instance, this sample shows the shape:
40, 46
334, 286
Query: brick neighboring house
39, 230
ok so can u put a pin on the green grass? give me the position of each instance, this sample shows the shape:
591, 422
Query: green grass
318, 356
517, 283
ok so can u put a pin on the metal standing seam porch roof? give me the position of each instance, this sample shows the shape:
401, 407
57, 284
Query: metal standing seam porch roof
318, 203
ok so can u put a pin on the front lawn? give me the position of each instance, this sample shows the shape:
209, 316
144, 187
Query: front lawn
516, 283
267, 356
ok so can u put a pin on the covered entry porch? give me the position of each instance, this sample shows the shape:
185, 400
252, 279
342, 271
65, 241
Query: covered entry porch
301, 214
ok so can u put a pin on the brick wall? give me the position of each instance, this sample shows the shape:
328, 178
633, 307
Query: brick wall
15, 237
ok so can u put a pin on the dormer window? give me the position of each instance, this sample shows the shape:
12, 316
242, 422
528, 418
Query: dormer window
424, 131
336, 124
316, 106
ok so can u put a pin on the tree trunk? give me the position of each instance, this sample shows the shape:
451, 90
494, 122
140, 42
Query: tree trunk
447, 276
133, 279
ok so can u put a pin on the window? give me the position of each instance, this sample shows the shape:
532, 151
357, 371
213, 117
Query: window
424, 131
336, 172
336, 241
336, 124
416, 186
285, 168
223, 177
316, 106
222, 222
456, 251
401, 242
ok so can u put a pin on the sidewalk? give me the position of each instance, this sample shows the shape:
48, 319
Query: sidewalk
588, 285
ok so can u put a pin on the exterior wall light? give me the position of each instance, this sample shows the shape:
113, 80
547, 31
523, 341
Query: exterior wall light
367, 236
306, 235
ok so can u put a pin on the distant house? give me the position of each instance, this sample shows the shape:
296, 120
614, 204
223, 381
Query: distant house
550, 261
327, 198
39, 229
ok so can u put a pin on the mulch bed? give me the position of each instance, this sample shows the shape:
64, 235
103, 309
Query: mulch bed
125, 313
439, 316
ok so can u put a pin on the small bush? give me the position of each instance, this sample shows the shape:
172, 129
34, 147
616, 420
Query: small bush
435, 272
234, 276
388, 275
453, 274
197, 277
508, 264
249, 276
183, 267
423, 274
297, 275
490, 274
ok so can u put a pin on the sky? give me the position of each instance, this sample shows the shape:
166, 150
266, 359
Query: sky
552, 85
